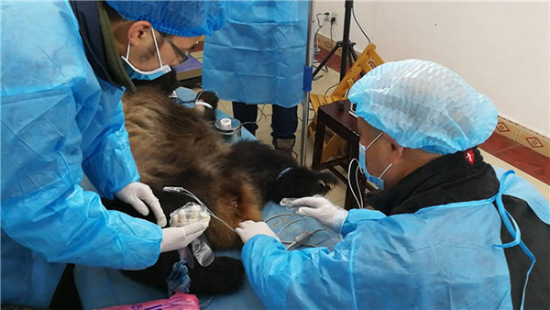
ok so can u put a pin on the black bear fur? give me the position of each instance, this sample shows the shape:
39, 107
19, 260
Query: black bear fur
175, 146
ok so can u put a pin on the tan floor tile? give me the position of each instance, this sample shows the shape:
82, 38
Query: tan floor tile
534, 141
507, 128
225, 106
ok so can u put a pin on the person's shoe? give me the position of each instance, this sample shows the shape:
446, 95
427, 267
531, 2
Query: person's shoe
285, 145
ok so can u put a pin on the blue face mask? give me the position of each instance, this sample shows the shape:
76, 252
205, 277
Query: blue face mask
136, 74
377, 181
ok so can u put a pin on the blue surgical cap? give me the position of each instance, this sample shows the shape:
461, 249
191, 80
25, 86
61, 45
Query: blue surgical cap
423, 105
177, 17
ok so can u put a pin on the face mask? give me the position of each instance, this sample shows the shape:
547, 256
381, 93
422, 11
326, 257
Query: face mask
136, 74
362, 163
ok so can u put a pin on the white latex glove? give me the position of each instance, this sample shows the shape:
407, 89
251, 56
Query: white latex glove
175, 238
322, 210
249, 229
138, 195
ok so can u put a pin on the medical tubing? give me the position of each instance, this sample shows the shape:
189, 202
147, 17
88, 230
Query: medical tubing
183, 191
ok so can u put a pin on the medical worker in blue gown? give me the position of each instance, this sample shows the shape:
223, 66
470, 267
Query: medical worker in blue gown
448, 230
258, 57
64, 68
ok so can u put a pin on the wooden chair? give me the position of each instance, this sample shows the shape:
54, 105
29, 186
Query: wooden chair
367, 61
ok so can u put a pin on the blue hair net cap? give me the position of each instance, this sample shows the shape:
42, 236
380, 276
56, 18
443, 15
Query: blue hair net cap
177, 17
423, 105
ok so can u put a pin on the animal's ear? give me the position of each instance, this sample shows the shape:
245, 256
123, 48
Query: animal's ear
206, 104
328, 178
209, 97
327, 181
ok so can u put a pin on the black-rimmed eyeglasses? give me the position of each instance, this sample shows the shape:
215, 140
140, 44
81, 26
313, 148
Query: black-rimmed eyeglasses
181, 54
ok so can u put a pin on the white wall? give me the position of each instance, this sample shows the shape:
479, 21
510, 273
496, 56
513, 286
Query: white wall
500, 48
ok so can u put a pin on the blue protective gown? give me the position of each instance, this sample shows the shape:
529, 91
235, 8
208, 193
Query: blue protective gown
58, 121
440, 257
258, 57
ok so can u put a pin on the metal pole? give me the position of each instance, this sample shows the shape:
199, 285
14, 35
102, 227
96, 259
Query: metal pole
308, 76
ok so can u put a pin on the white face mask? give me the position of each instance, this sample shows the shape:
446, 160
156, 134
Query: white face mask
363, 164
135, 73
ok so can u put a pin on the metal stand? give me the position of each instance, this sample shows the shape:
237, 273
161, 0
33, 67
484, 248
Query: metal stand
308, 68
348, 53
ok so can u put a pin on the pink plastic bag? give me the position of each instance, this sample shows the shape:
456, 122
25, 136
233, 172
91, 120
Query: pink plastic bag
179, 301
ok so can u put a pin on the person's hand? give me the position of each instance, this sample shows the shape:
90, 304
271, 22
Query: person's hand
140, 195
322, 210
249, 229
175, 238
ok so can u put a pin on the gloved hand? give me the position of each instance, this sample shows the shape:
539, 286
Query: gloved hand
249, 229
174, 238
322, 210
138, 194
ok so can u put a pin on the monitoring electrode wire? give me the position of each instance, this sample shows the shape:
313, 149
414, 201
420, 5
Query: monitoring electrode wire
191, 195
357, 182
279, 215
290, 223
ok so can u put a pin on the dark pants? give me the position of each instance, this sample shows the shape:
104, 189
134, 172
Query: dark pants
284, 121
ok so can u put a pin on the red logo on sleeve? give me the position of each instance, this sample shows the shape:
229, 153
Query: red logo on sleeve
469, 156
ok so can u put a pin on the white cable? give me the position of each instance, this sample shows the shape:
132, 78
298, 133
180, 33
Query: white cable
359, 193
279, 215
357, 181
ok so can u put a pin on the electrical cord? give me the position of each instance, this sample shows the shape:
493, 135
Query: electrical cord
316, 47
359, 25
326, 91
262, 115
316, 40
359, 197
331, 39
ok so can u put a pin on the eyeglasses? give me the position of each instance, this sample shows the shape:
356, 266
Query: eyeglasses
181, 54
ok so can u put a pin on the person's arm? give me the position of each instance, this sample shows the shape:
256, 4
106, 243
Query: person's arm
357, 216
333, 216
43, 208
108, 161
303, 279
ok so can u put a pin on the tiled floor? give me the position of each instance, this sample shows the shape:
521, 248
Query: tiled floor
498, 150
